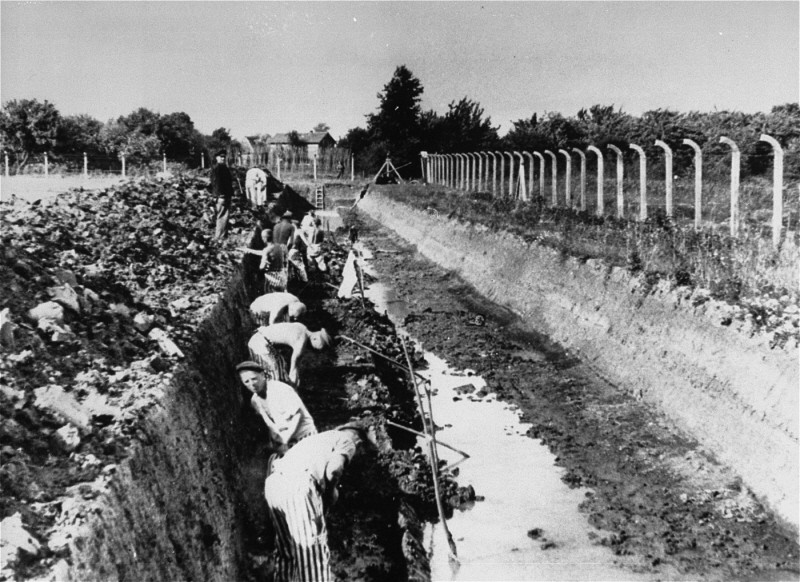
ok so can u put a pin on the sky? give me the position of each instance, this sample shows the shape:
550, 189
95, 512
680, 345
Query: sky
271, 67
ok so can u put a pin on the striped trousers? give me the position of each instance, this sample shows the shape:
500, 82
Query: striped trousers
267, 356
301, 537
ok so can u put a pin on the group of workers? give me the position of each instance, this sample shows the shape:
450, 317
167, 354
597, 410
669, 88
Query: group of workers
304, 466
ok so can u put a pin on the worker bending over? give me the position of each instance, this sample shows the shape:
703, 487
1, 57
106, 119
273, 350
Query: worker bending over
282, 410
300, 489
274, 307
292, 334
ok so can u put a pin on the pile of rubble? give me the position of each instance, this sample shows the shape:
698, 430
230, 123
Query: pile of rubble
99, 291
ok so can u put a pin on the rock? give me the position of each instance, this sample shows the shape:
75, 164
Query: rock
99, 408
167, 345
14, 396
120, 308
49, 310
66, 277
159, 364
53, 399
62, 334
66, 296
13, 432
21, 358
68, 438
181, 304
143, 322
15, 541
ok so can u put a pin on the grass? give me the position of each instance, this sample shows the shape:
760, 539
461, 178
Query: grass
746, 271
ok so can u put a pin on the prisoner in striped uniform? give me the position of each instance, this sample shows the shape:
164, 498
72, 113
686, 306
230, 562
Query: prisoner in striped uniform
301, 487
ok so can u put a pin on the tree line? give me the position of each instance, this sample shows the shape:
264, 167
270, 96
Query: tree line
401, 129
29, 128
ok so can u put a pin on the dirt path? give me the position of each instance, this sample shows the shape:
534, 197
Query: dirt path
669, 506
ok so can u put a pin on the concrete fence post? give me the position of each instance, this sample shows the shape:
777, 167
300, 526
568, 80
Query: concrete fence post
122, 156
529, 193
85, 166
698, 181
46, 165
494, 178
553, 177
510, 174
278, 162
777, 188
736, 157
523, 188
476, 170
642, 180
202, 161
541, 174
620, 175
582, 156
164, 163
567, 178
667, 173
314, 162
481, 170
600, 177
467, 172
464, 172
460, 160
352, 168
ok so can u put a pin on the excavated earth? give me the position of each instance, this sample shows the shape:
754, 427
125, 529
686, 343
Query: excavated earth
131, 454
670, 505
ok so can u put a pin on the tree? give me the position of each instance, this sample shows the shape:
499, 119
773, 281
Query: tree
397, 123
28, 127
177, 135
220, 139
142, 120
462, 129
77, 134
321, 127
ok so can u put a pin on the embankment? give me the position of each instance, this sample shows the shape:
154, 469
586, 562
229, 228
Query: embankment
175, 510
725, 386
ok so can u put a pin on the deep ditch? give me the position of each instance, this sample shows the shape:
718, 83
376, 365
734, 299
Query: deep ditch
162, 476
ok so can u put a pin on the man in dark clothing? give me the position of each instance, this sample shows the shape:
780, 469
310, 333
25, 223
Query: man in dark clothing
222, 189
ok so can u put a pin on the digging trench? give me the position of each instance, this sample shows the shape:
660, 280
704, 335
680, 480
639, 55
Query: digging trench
187, 503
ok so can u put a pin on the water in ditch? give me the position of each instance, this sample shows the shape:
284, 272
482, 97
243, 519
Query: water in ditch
527, 525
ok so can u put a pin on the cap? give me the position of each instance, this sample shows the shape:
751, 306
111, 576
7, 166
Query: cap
287, 214
250, 365
222, 153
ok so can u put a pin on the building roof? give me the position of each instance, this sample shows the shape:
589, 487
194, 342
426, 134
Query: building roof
312, 137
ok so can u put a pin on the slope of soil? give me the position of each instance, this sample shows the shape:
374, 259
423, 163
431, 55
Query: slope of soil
128, 454
667, 502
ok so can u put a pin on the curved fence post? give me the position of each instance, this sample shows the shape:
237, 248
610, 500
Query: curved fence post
510, 174
459, 171
777, 187
467, 171
529, 194
667, 173
553, 177
474, 163
541, 174
502, 171
698, 181
736, 157
523, 188
642, 180
620, 176
480, 170
567, 178
583, 178
600, 176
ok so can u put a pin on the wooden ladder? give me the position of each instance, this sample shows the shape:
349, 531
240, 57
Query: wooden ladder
319, 197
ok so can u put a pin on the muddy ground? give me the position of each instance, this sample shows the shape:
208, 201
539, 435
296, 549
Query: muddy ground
667, 503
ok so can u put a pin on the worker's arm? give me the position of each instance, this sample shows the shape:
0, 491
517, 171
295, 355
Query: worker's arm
298, 347
289, 427
279, 314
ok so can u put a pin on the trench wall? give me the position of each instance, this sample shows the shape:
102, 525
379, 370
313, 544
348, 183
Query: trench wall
175, 509
724, 386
